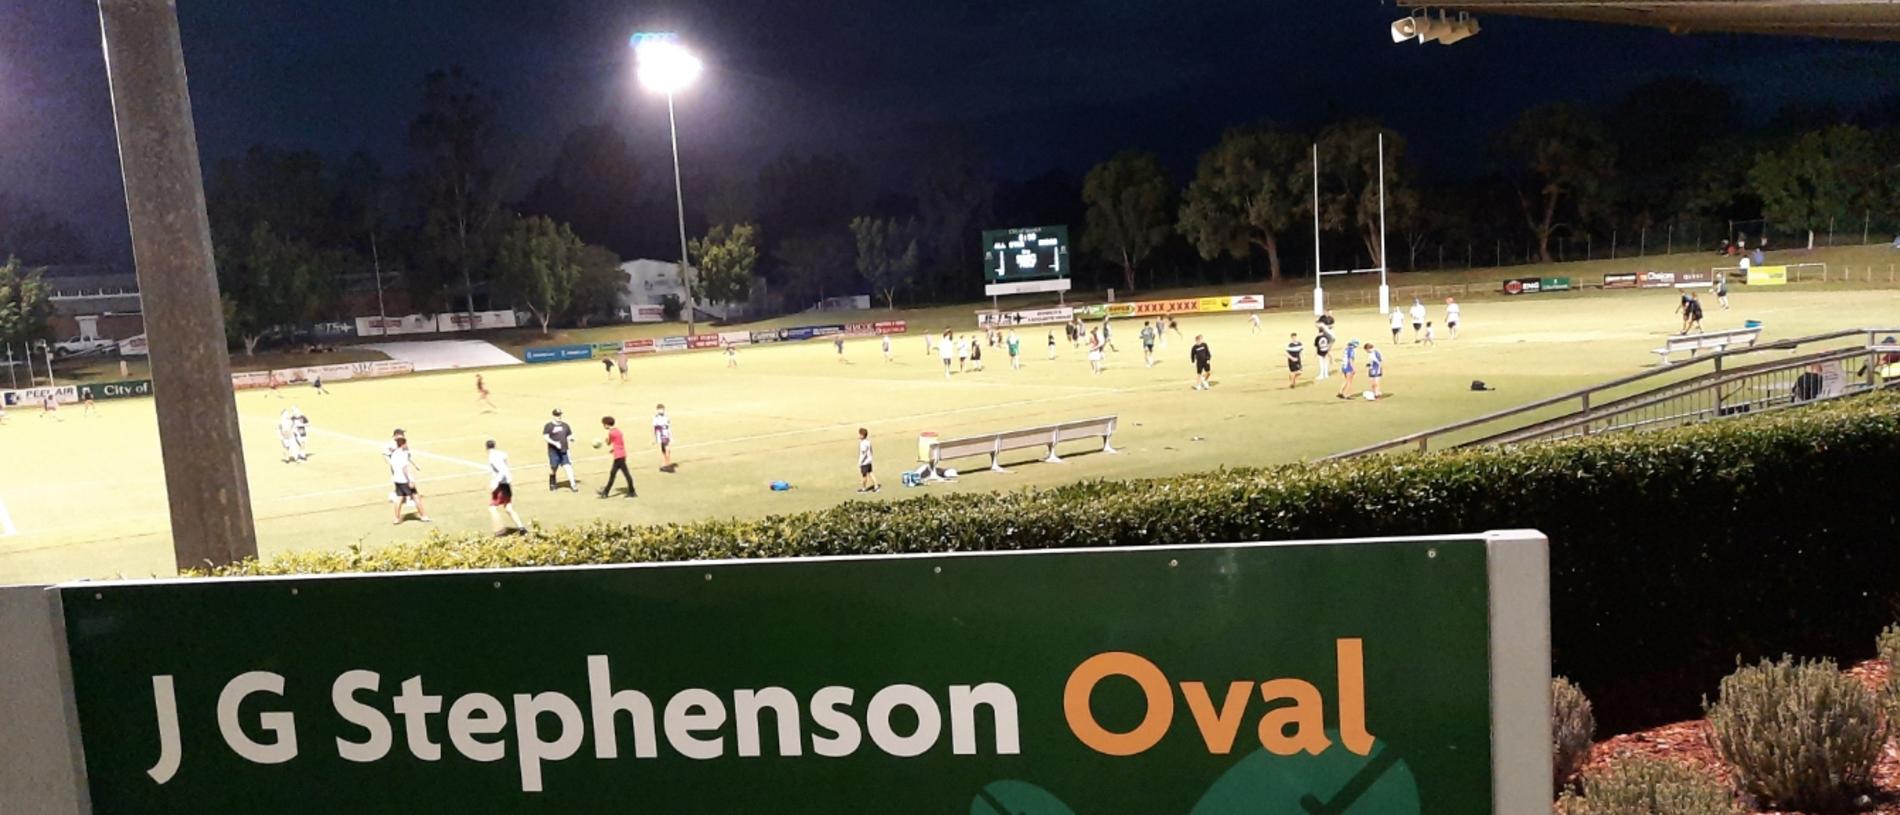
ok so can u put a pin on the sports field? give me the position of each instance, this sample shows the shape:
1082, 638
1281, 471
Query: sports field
85, 495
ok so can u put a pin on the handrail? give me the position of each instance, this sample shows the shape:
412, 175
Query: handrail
1422, 438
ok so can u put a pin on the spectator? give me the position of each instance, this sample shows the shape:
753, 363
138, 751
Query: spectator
1808, 386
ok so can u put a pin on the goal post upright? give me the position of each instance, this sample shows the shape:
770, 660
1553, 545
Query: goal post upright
1319, 292
1385, 291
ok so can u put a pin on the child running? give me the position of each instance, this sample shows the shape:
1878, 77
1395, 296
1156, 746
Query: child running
1148, 344
1052, 344
402, 472
481, 392
887, 349
1095, 351
662, 436
1398, 323
617, 444
501, 493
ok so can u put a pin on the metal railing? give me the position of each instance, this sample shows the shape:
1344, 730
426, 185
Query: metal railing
1727, 383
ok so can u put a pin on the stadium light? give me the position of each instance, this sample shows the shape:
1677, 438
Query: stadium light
1463, 28
665, 66
1422, 27
1407, 27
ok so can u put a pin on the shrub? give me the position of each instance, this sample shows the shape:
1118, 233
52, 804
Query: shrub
1641, 785
1799, 735
1888, 645
1573, 728
1660, 542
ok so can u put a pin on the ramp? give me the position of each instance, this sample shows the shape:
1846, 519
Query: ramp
442, 355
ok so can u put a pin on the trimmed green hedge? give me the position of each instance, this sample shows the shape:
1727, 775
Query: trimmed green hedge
1673, 552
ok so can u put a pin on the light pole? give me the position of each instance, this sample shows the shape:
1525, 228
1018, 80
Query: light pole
665, 66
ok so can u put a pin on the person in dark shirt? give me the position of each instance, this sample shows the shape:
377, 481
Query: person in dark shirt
1809, 385
558, 436
1323, 349
1294, 348
1692, 315
1203, 362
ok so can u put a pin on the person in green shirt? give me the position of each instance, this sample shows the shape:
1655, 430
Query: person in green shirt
1015, 351
1148, 344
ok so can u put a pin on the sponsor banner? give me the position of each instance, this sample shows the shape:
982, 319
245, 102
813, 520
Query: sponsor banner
117, 390
1034, 316
1695, 278
646, 314
558, 353
390, 326
891, 327
32, 397
1241, 302
1767, 276
642, 346
1619, 281
1554, 284
735, 337
1523, 285
703, 341
825, 330
795, 334
391, 367
860, 330
608, 349
1157, 307
765, 336
1377, 676
333, 330
477, 321
670, 344
1655, 280
134, 347
246, 380
1026, 287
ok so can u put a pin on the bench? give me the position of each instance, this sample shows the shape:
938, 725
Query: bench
1709, 341
995, 445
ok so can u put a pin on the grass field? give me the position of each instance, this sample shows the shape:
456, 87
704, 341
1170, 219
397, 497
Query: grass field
86, 497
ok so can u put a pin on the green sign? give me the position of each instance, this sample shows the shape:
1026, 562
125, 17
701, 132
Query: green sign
1555, 284
117, 390
1355, 678
1025, 253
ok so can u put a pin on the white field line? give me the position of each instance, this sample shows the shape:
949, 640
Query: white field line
380, 445
6, 522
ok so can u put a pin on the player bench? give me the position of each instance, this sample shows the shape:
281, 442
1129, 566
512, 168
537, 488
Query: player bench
995, 445
1710, 341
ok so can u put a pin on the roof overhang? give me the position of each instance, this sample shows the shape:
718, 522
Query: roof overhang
1835, 19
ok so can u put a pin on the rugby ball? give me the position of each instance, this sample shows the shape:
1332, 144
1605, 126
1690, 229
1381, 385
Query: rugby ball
1370, 396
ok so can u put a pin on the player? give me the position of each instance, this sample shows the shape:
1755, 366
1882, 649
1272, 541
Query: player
1346, 369
501, 493
886, 342
1375, 368
867, 480
1203, 360
946, 351
1107, 341
1451, 316
620, 361
287, 437
558, 436
1253, 323
1325, 323
1682, 308
1095, 351
316, 383
1418, 321
481, 392
662, 436
608, 366
616, 444
1323, 350
963, 352
1174, 325
1015, 347
1721, 291
732, 353
403, 472
49, 406
837, 342
275, 381
1148, 344
1052, 344
1398, 323
300, 426
1294, 350
85, 401
1431, 336
1692, 315
976, 355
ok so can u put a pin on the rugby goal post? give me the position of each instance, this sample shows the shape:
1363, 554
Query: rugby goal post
1319, 270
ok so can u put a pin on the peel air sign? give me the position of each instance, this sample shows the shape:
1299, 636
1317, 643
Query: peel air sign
1372, 676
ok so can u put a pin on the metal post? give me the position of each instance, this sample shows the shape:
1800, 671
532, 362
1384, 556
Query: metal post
171, 249
1642, 246
1612, 244
1866, 225
1319, 271
1385, 292
47, 348
376, 259
679, 192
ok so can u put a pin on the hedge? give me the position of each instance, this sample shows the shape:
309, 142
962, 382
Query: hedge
1673, 552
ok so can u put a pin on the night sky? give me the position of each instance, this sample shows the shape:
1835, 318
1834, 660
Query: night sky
1042, 85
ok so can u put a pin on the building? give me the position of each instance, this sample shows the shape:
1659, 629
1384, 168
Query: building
93, 302
650, 282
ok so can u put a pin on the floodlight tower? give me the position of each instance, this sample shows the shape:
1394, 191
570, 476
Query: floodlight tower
665, 66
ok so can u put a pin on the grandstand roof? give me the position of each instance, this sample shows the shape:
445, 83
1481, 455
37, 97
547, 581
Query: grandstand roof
1837, 19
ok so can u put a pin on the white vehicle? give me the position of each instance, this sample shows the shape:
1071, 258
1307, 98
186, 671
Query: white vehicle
83, 346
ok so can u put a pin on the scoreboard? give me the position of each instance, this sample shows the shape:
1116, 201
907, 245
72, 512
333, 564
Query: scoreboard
1027, 253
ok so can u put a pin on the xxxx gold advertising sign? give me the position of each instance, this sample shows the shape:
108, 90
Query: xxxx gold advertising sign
1378, 676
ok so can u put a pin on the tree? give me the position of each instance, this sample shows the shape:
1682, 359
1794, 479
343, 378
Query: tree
1349, 184
270, 281
887, 254
1824, 175
594, 187
1565, 164
815, 266
1244, 194
456, 182
1659, 128
1127, 199
25, 304
538, 265
955, 197
723, 260
601, 283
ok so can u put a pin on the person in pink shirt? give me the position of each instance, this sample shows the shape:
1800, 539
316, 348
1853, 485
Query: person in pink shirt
617, 444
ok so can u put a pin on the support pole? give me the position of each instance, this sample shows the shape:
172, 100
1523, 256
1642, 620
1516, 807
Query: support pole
1385, 291
1319, 271
171, 248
